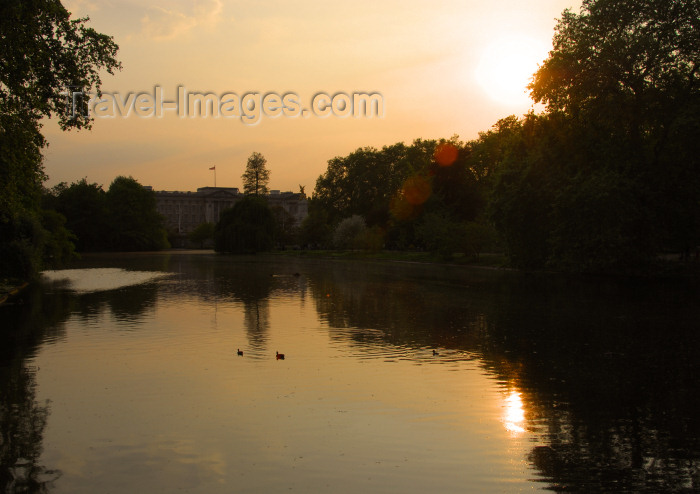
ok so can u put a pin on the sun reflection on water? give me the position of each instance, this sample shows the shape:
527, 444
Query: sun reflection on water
514, 417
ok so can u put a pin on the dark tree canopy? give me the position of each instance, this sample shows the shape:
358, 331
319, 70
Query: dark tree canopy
134, 222
43, 54
628, 72
256, 175
46, 53
621, 52
85, 207
248, 227
607, 178
363, 183
203, 232
394, 187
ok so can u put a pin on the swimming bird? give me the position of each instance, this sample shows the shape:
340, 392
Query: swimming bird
435, 353
279, 356
240, 352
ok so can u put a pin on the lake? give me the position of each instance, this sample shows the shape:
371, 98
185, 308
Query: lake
124, 375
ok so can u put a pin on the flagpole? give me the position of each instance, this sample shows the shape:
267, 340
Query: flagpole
214, 168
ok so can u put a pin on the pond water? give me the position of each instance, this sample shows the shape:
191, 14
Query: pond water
124, 375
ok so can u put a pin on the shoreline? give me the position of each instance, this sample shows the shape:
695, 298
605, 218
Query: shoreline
10, 290
663, 270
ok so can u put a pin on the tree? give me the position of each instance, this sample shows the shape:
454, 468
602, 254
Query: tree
44, 53
393, 187
59, 246
246, 228
134, 222
286, 229
622, 55
607, 176
203, 232
256, 176
623, 76
21, 246
363, 183
478, 237
315, 232
441, 234
348, 234
85, 207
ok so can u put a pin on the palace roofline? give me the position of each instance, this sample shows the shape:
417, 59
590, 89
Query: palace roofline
203, 191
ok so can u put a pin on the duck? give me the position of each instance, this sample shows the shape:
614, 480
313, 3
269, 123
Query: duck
279, 356
240, 352
435, 353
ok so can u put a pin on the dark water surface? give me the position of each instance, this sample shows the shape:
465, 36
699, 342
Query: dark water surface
123, 376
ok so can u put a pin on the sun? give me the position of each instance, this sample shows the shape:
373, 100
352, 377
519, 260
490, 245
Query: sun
506, 67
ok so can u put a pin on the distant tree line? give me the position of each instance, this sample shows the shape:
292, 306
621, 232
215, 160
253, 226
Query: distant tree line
431, 195
605, 179
122, 218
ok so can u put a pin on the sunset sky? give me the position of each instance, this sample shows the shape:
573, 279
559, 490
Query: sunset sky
442, 68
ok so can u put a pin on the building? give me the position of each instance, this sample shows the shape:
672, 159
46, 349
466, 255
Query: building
184, 211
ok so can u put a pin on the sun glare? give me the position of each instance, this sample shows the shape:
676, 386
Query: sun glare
514, 417
506, 66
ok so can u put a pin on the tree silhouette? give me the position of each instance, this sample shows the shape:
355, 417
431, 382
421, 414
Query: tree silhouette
256, 176
45, 56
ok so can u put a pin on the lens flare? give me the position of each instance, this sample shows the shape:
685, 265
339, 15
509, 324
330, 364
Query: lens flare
445, 154
417, 190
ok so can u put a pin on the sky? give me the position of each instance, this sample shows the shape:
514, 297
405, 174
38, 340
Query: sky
438, 69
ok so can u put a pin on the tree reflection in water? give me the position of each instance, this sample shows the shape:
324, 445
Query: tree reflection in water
601, 373
604, 372
22, 418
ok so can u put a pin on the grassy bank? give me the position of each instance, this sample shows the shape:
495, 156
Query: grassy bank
662, 269
484, 260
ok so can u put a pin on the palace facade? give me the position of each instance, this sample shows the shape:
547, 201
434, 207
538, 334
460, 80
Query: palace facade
184, 211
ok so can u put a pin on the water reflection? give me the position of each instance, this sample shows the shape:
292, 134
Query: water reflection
22, 418
514, 418
606, 370
597, 377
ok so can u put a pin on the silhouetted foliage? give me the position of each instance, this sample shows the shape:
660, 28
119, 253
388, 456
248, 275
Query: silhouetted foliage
43, 53
134, 222
256, 175
246, 228
203, 232
610, 170
123, 218
315, 231
59, 245
21, 246
399, 187
85, 207
286, 229
604, 180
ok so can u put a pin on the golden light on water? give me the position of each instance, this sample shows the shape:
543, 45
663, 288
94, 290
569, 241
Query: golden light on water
514, 418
